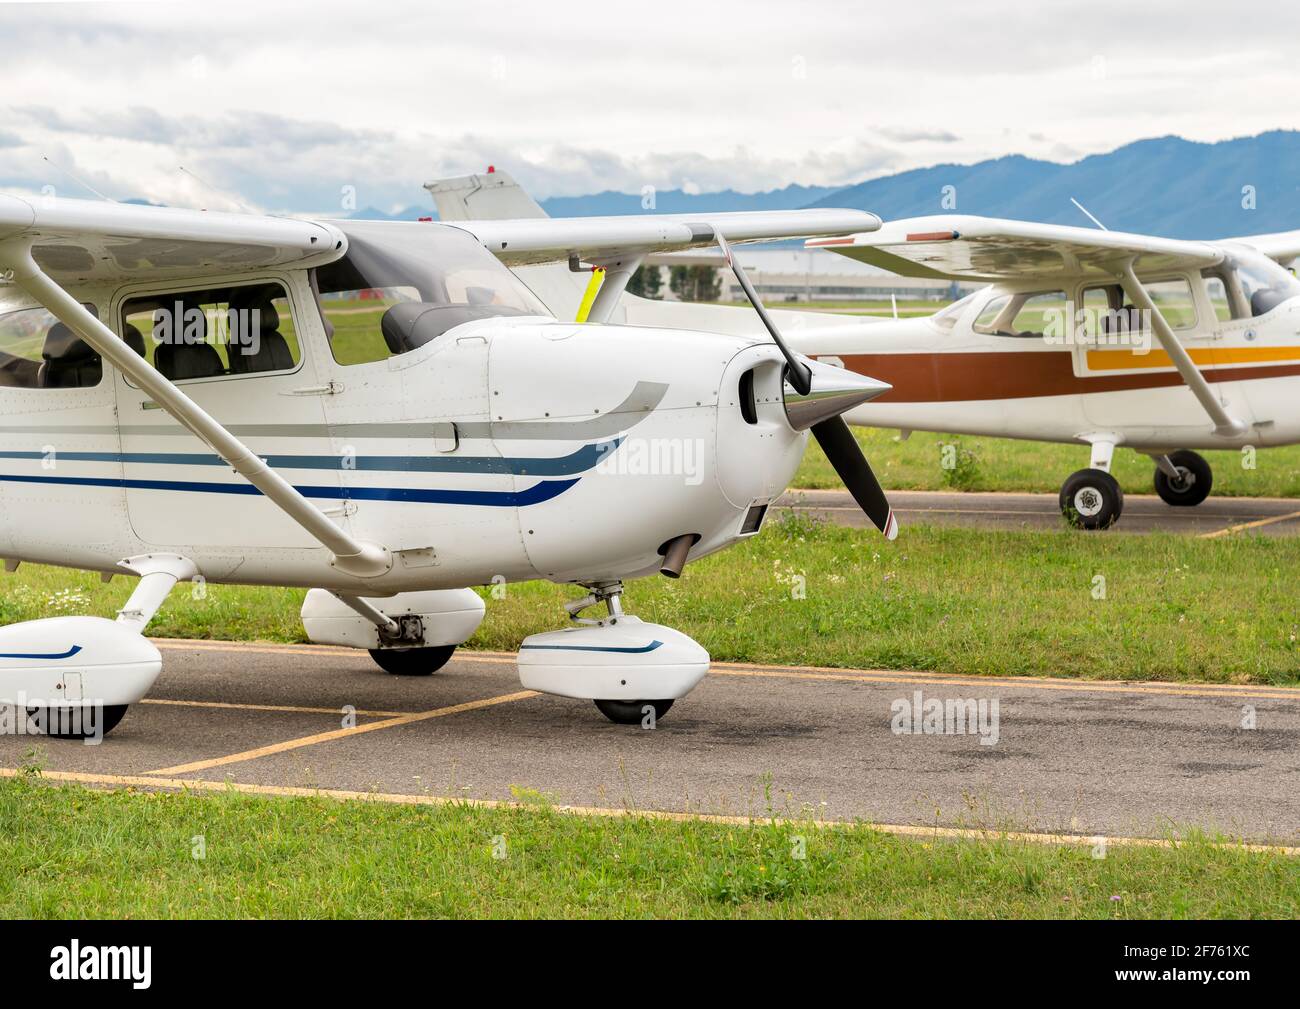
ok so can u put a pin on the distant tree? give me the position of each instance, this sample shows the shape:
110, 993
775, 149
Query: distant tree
646, 282
708, 284
695, 283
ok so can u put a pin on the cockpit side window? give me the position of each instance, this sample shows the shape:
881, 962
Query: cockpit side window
214, 333
1028, 314
401, 286
39, 352
1224, 296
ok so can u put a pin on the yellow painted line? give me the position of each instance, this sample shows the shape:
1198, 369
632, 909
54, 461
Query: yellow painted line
390, 798
290, 708
1248, 525
1123, 360
901, 676
265, 648
1028, 682
325, 737
278, 648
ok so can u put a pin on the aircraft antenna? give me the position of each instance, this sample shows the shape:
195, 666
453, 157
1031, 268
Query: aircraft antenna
211, 188
1090, 217
81, 182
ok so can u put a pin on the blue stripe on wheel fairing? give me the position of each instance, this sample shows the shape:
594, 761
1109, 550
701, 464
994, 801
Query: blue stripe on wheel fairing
62, 655
541, 491
596, 648
576, 462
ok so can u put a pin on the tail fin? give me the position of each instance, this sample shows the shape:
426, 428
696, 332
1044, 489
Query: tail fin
491, 196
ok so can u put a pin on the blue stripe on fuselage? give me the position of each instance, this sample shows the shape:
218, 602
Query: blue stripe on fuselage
541, 491
37, 655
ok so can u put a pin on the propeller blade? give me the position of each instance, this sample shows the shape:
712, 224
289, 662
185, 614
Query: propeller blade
799, 374
819, 410
846, 456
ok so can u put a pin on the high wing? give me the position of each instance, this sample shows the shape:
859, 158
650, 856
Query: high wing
594, 239
959, 247
1282, 246
85, 240
992, 249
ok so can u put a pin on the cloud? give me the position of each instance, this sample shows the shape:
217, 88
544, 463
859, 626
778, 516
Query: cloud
909, 136
280, 105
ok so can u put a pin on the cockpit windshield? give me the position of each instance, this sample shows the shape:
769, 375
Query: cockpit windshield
947, 317
402, 285
1264, 285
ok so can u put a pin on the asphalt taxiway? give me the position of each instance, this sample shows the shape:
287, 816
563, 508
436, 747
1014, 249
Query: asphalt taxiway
1215, 517
1070, 757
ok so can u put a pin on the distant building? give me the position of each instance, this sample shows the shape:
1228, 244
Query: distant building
792, 275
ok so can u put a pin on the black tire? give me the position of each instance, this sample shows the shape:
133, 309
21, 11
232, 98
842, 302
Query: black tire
1197, 479
1091, 499
412, 661
59, 726
632, 712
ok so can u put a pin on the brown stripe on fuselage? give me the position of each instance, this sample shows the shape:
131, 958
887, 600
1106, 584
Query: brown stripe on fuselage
944, 378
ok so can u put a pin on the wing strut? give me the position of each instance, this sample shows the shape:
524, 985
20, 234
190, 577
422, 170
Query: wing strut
1225, 425
352, 556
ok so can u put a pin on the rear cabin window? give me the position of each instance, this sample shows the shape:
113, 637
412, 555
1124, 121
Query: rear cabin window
1030, 314
39, 352
214, 332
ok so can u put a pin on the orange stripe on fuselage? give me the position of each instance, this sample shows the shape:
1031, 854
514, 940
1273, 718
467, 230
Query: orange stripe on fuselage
1205, 357
963, 377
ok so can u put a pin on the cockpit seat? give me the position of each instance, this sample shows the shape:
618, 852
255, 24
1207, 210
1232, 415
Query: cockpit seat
265, 349
412, 324
67, 361
133, 338
179, 360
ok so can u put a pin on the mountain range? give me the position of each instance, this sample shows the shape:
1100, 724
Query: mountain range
1165, 186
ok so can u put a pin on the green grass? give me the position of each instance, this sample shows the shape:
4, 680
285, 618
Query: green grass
952, 600
69, 852
1006, 464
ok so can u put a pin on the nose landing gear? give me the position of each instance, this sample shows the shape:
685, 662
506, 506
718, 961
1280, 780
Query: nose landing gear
632, 670
1091, 499
1183, 478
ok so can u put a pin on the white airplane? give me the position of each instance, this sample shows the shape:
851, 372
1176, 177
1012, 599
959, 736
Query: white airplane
383, 413
1085, 336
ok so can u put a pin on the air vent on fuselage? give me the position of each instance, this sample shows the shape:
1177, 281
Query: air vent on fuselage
748, 406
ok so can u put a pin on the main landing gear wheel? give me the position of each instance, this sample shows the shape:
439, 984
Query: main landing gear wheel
1192, 486
412, 661
60, 723
1091, 499
633, 712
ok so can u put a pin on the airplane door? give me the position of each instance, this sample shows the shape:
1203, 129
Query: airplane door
178, 492
60, 468
1129, 381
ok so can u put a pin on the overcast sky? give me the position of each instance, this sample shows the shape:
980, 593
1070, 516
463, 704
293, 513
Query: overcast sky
282, 105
